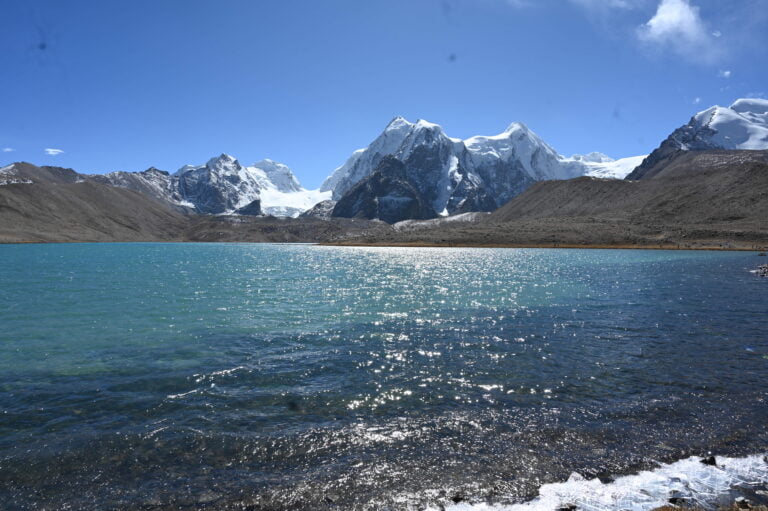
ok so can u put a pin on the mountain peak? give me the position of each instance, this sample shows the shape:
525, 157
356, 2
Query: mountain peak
742, 126
279, 174
222, 158
397, 123
155, 170
517, 126
401, 123
421, 123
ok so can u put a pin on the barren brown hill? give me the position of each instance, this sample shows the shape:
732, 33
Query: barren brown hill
709, 187
666, 163
83, 212
252, 229
54, 175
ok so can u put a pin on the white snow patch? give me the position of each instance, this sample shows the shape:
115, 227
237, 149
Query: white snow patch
612, 169
699, 485
15, 181
416, 225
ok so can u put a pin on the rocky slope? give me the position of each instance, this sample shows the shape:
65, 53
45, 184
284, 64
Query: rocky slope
152, 182
741, 126
26, 173
84, 211
387, 194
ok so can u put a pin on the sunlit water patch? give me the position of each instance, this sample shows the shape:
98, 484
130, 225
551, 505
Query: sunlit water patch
304, 377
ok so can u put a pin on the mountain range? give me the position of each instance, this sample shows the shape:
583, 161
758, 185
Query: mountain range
412, 170
451, 176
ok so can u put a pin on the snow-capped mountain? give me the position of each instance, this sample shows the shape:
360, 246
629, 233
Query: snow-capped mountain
477, 174
220, 186
223, 186
743, 126
281, 193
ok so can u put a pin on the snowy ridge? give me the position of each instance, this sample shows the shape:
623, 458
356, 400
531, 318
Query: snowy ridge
270, 182
223, 186
477, 174
693, 482
539, 160
743, 125
8, 177
400, 138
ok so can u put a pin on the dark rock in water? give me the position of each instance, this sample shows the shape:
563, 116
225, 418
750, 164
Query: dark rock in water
605, 478
762, 270
459, 497
676, 501
567, 507
743, 503
252, 209
762, 254
710, 460
386, 194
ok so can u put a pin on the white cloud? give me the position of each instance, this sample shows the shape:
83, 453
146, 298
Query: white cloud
678, 26
696, 101
717, 33
724, 73
8, 149
52, 152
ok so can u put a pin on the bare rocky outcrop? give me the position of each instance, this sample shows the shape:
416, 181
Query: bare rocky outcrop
386, 195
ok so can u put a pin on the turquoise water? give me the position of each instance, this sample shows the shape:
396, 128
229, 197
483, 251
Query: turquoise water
294, 376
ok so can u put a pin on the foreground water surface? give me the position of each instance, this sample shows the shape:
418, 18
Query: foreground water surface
231, 376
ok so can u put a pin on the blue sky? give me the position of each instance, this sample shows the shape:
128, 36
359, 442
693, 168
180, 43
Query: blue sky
103, 86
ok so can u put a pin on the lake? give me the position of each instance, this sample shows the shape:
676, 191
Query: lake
248, 376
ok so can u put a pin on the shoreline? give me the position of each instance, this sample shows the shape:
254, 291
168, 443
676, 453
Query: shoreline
419, 244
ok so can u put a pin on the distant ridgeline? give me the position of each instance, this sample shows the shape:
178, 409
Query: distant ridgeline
411, 171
